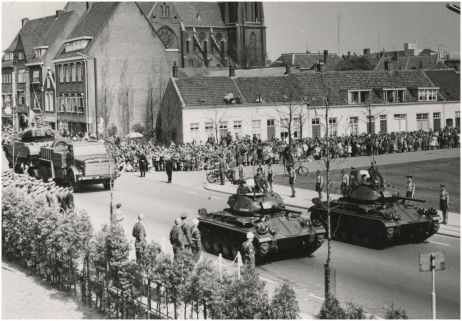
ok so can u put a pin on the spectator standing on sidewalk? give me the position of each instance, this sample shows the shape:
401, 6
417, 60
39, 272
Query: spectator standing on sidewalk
319, 183
196, 240
249, 252
139, 233
444, 203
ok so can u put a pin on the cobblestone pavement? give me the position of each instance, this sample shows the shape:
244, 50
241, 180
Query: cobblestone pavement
26, 297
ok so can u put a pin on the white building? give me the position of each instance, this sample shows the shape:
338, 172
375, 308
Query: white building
195, 108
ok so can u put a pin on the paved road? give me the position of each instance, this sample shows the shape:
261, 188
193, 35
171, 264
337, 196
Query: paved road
372, 278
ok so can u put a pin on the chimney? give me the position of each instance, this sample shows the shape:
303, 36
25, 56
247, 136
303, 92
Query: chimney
88, 5
326, 52
349, 55
388, 65
395, 56
58, 12
421, 64
367, 51
232, 71
287, 70
24, 21
321, 67
381, 54
175, 70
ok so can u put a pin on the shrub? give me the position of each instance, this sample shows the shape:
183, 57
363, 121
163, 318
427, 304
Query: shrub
392, 312
112, 130
354, 311
284, 304
138, 128
331, 309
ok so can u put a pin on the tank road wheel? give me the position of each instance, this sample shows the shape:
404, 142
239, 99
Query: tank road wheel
318, 242
76, 185
207, 242
235, 248
226, 247
216, 243
263, 250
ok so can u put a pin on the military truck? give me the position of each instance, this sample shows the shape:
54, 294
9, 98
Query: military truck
77, 164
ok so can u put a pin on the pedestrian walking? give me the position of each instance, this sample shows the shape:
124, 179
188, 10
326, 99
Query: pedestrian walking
319, 183
444, 203
139, 233
248, 251
292, 178
270, 176
410, 187
186, 232
345, 182
169, 169
176, 238
195, 240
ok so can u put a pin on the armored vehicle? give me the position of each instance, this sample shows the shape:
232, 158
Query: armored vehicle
276, 228
376, 215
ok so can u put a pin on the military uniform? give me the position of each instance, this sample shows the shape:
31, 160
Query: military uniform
169, 169
243, 189
143, 162
186, 235
176, 239
139, 234
248, 257
196, 243
444, 204
260, 183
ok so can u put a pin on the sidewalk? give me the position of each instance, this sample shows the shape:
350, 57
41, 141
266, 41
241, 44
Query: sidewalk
303, 201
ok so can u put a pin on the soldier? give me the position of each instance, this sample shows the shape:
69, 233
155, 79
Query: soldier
169, 169
248, 251
186, 232
410, 187
345, 182
243, 188
270, 176
143, 162
444, 203
260, 182
196, 240
139, 233
319, 183
176, 238
292, 178
354, 177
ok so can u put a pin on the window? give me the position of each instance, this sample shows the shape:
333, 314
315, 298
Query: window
80, 106
36, 77
332, 126
76, 45
6, 78
256, 128
427, 94
49, 105
400, 122
21, 97
360, 96
74, 104
209, 129
20, 55
47, 102
195, 134
270, 123
21, 76
61, 74
237, 126
315, 121
68, 72
168, 11
394, 96
79, 72
62, 104
223, 128
296, 127
162, 11
9, 55
383, 117
422, 122
36, 99
353, 125
68, 104
437, 115
74, 72
457, 118
39, 52
7, 100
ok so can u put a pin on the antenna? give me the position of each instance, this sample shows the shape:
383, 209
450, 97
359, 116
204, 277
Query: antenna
338, 32
379, 41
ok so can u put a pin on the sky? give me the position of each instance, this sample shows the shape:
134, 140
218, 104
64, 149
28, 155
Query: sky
294, 27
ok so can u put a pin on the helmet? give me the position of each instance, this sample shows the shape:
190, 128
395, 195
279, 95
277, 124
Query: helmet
250, 235
195, 221
178, 221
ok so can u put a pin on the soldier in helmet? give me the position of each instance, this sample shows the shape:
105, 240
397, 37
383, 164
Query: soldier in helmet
176, 238
196, 240
186, 232
139, 233
243, 188
248, 251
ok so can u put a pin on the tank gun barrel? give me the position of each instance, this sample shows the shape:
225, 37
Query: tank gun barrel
288, 211
397, 197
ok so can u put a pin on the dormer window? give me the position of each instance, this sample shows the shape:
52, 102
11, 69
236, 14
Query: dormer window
358, 96
397, 95
40, 51
20, 55
427, 94
76, 44
9, 55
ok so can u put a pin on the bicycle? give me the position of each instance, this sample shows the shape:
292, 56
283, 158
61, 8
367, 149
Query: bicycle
300, 170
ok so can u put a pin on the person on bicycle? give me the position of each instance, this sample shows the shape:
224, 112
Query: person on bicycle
292, 177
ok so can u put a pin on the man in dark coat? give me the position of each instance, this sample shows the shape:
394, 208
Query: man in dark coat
177, 238
222, 169
143, 162
139, 233
186, 231
169, 169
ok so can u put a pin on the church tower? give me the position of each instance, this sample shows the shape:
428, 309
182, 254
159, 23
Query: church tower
245, 24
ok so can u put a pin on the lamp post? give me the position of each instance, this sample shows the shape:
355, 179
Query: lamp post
96, 88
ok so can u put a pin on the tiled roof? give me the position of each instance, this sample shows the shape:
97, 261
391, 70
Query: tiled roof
210, 14
91, 24
7, 64
306, 60
448, 81
412, 62
259, 72
14, 43
276, 89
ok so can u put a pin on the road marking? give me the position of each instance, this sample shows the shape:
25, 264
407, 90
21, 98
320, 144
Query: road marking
192, 192
267, 280
439, 243
218, 198
317, 297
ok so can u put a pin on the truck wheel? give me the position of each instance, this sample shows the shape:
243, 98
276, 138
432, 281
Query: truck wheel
73, 182
60, 142
43, 173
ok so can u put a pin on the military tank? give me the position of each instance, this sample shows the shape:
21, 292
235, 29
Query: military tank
376, 215
275, 227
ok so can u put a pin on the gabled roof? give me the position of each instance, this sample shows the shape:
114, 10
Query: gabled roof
412, 62
210, 14
277, 89
90, 25
448, 81
306, 60
146, 7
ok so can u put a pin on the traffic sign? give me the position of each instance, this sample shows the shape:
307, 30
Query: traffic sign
426, 261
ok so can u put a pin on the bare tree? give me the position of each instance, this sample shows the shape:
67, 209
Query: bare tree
216, 115
370, 112
105, 94
126, 99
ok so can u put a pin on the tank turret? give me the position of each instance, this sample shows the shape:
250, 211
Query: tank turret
376, 194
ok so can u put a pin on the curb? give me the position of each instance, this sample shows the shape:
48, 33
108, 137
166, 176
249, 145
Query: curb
305, 208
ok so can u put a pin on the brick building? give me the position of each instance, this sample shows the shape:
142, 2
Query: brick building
195, 108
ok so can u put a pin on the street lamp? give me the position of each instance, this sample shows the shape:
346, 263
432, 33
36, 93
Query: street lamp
96, 89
